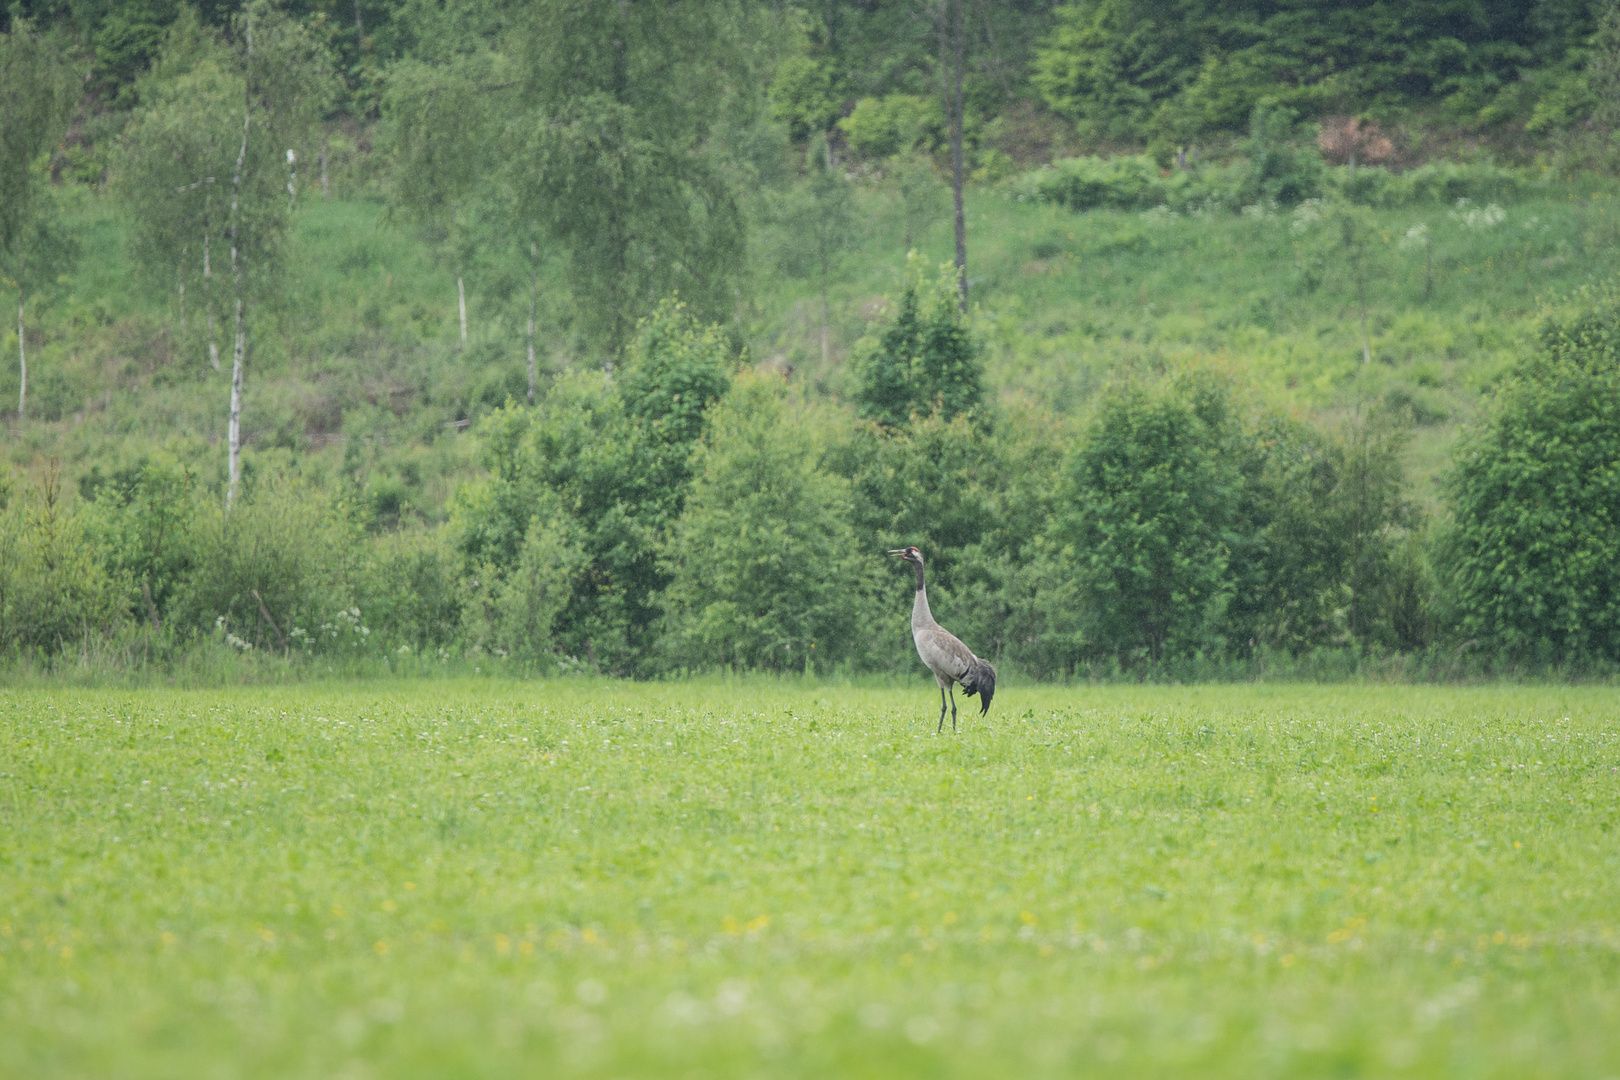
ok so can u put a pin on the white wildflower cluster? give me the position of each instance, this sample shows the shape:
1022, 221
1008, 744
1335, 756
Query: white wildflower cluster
346, 626
1478, 217
1305, 215
1159, 215
1263, 209
1415, 237
237, 643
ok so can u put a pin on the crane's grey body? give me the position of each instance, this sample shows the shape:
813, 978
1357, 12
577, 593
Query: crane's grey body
952, 662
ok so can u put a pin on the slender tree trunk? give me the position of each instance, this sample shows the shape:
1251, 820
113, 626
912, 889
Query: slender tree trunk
1366, 342
208, 303
239, 351
359, 27
235, 431
292, 178
1428, 267
950, 27
22, 356
182, 306
461, 303
534, 292
826, 346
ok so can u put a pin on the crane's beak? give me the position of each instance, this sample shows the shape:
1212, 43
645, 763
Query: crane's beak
898, 553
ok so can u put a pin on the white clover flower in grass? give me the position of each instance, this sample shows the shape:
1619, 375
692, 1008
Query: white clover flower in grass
1415, 237
1478, 217
1305, 215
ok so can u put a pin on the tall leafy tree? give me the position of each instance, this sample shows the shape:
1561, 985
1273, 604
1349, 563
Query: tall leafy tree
285, 81
925, 360
36, 98
611, 145
176, 169
1532, 559
817, 214
439, 117
764, 569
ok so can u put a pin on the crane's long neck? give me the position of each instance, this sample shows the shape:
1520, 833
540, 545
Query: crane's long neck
920, 615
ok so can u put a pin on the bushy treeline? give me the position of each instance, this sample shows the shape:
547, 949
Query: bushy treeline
689, 512
1280, 164
1180, 71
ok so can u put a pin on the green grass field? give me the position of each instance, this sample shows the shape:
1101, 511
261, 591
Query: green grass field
579, 878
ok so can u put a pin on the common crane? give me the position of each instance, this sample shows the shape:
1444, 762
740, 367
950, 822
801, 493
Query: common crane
952, 662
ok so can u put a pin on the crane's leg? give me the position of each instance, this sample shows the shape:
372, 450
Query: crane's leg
941, 710
953, 710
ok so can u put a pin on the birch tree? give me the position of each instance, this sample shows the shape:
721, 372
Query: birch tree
266, 85
817, 215
179, 151
950, 18
36, 99
437, 117
610, 145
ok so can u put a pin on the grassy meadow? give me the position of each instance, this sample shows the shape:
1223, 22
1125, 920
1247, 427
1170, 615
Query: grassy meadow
595, 879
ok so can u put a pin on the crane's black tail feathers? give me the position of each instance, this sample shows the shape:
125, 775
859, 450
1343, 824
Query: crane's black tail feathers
980, 679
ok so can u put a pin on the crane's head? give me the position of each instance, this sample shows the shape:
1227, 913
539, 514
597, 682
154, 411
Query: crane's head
910, 554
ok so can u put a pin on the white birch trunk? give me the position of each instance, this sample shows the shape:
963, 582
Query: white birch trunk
292, 178
534, 286
208, 309
461, 302
234, 432
22, 357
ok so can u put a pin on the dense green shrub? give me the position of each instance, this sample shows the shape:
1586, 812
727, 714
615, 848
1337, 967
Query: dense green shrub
614, 455
1153, 508
1189, 69
55, 594
1185, 528
764, 569
925, 360
512, 611
1532, 558
879, 127
278, 570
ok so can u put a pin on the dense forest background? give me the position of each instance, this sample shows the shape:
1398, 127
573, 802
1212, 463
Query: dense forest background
1185, 338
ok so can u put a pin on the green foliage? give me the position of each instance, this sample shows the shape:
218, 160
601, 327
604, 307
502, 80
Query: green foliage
804, 98
925, 360
894, 124
512, 613
55, 595
141, 518
764, 572
609, 147
1282, 168
1531, 560
614, 456
36, 97
1185, 528
295, 549
1154, 505
175, 176
1193, 67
